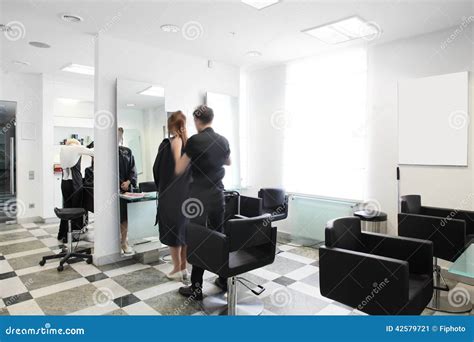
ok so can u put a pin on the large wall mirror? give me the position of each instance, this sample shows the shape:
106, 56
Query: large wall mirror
141, 122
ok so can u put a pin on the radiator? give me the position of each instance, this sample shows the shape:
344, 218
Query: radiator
308, 215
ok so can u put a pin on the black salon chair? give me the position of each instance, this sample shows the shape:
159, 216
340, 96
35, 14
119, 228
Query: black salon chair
238, 206
450, 230
68, 255
246, 244
375, 273
274, 202
147, 186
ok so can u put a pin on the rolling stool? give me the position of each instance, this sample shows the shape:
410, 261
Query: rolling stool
69, 214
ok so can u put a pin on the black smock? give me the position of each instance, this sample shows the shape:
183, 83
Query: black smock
172, 192
127, 172
209, 153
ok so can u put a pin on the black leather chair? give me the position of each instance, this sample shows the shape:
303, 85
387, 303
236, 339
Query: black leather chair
274, 202
238, 206
67, 254
147, 186
246, 244
375, 273
450, 230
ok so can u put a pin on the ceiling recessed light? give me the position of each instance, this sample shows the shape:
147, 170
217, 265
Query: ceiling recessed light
130, 104
79, 69
169, 28
40, 45
21, 63
153, 91
343, 30
260, 4
71, 18
253, 54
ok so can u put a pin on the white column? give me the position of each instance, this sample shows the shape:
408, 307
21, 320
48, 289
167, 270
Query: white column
106, 200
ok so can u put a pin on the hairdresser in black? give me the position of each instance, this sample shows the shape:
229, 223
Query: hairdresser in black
127, 181
206, 152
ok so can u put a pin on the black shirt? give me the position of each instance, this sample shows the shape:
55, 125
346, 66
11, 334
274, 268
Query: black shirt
208, 152
127, 169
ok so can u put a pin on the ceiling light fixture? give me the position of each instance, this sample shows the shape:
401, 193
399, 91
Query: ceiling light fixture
71, 18
40, 45
21, 63
253, 54
260, 4
343, 30
79, 69
156, 91
130, 104
169, 28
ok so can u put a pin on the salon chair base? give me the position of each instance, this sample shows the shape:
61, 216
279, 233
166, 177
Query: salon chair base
442, 304
217, 305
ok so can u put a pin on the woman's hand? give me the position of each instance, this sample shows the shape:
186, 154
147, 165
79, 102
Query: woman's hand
125, 185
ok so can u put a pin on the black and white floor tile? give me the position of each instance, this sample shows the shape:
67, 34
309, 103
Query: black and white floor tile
131, 288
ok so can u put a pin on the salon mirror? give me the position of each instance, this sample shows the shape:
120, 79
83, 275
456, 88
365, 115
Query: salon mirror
141, 123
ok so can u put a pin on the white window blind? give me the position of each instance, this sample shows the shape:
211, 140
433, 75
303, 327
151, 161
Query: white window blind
325, 100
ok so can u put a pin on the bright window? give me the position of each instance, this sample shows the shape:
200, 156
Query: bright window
324, 125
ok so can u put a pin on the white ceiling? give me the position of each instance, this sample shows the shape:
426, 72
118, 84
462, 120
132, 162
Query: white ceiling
274, 31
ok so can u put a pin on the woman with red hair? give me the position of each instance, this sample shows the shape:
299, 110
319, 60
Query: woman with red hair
173, 190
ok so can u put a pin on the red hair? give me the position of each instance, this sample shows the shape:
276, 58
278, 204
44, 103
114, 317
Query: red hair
177, 125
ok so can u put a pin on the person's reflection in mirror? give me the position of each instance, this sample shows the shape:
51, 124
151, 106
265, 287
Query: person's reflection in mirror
172, 192
127, 181
71, 184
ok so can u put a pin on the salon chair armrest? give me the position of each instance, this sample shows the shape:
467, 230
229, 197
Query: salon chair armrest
207, 248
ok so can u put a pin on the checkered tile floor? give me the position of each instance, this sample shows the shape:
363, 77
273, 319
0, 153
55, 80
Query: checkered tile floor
132, 288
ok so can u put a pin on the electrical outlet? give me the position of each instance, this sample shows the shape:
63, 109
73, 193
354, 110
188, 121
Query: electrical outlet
31, 175
31, 205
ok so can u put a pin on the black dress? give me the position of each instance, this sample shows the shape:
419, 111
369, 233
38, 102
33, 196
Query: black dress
172, 192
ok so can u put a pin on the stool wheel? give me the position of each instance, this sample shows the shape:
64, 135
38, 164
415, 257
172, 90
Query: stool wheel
60, 268
89, 260
42, 262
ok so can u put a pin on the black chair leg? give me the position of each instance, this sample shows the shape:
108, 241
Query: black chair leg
50, 257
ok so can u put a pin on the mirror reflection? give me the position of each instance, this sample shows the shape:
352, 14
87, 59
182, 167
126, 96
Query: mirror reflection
141, 122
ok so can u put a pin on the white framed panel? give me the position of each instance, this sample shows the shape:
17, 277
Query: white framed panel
433, 120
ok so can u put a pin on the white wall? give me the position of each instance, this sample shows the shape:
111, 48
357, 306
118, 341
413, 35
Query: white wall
410, 58
26, 90
185, 79
264, 98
